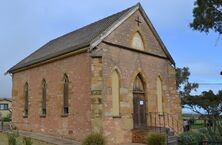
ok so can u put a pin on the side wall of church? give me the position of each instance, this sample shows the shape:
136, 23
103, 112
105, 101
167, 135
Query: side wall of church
77, 124
129, 63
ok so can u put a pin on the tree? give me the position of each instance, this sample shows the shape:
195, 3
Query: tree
183, 85
207, 103
207, 16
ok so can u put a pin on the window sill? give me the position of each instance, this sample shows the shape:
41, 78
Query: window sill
161, 114
118, 116
64, 115
42, 116
25, 116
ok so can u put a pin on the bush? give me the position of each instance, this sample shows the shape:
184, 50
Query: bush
212, 133
7, 119
190, 138
27, 141
94, 139
12, 139
156, 139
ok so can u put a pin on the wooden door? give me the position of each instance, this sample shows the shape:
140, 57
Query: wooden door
139, 104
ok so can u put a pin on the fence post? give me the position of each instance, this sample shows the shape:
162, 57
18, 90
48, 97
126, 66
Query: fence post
155, 122
164, 124
2, 124
204, 142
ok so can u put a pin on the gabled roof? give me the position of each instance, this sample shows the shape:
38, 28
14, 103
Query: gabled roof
87, 36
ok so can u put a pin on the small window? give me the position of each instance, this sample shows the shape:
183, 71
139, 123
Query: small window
26, 96
66, 95
44, 97
137, 41
3, 106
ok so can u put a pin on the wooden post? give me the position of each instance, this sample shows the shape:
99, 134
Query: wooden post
164, 124
168, 120
151, 122
159, 121
155, 121
1, 120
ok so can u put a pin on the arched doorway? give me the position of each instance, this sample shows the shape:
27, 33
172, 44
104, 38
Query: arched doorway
139, 104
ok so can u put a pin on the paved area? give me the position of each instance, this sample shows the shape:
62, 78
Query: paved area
49, 139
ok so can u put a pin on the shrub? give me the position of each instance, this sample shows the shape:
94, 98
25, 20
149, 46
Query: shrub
27, 141
7, 118
94, 139
12, 139
190, 138
213, 133
156, 139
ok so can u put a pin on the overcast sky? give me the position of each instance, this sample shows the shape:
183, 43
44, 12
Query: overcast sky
26, 25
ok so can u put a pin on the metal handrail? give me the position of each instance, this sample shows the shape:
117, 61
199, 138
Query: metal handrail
164, 119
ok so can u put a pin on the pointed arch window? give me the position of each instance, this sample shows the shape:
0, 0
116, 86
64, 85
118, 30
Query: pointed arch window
66, 95
159, 95
115, 93
44, 93
137, 41
26, 100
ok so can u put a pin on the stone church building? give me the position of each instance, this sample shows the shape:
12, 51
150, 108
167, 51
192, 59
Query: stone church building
114, 76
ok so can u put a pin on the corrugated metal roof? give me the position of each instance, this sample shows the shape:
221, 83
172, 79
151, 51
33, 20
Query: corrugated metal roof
70, 42
83, 37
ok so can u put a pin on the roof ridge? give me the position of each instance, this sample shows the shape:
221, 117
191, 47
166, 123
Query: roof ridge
68, 42
112, 25
94, 22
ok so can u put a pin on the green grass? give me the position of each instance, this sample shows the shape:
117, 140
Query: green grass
197, 126
4, 141
199, 123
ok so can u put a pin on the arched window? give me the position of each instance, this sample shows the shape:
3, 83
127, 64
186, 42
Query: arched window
66, 95
26, 99
115, 94
44, 97
159, 95
137, 41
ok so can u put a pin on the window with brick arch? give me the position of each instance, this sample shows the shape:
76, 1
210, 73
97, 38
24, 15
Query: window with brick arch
44, 93
137, 41
66, 95
26, 100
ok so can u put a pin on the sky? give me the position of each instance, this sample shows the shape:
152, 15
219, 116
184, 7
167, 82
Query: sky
27, 25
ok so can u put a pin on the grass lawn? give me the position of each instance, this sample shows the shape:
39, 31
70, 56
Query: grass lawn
4, 141
197, 126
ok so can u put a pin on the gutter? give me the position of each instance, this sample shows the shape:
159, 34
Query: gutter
54, 58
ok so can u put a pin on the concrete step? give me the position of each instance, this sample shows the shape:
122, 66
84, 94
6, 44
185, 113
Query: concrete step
172, 140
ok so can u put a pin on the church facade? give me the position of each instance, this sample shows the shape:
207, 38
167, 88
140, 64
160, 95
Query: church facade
114, 76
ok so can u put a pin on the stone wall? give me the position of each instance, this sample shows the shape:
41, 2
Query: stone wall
129, 63
78, 123
90, 87
96, 95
